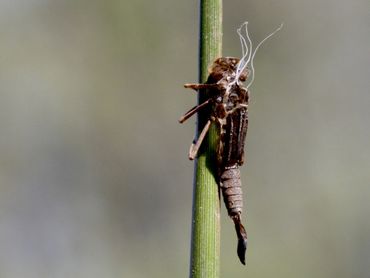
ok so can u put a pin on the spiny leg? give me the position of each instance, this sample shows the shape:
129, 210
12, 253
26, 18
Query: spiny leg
193, 110
195, 147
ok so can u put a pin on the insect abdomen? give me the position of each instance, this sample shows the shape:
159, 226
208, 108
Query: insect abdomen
233, 197
232, 190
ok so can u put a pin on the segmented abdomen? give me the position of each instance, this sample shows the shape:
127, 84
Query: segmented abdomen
231, 188
233, 198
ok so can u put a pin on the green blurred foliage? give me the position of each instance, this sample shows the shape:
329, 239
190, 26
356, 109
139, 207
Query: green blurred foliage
94, 180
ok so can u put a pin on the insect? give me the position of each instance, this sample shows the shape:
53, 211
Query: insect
227, 100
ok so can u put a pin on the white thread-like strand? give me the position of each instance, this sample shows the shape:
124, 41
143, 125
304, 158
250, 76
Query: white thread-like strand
247, 51
242, 41
244, 64
244, 46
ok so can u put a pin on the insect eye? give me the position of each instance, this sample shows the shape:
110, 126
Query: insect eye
242, 78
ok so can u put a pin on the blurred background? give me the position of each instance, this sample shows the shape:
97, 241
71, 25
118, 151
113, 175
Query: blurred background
94, 176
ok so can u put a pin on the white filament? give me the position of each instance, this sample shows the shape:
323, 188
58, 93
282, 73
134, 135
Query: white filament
248, 52
244, 44
242, 40
243, 63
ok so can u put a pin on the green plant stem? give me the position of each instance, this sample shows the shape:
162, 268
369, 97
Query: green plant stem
205, 242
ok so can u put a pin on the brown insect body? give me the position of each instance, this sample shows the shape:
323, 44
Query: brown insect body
228, 106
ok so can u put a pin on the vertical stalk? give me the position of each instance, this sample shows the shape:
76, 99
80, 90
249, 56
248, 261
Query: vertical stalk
205, 240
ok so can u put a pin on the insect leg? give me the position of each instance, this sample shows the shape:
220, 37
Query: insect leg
193, 110
196, 86
195, 147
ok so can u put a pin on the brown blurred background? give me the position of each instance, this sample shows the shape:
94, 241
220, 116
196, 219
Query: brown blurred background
94, 176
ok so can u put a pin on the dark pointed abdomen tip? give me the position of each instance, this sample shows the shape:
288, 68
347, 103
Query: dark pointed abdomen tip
242, 248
